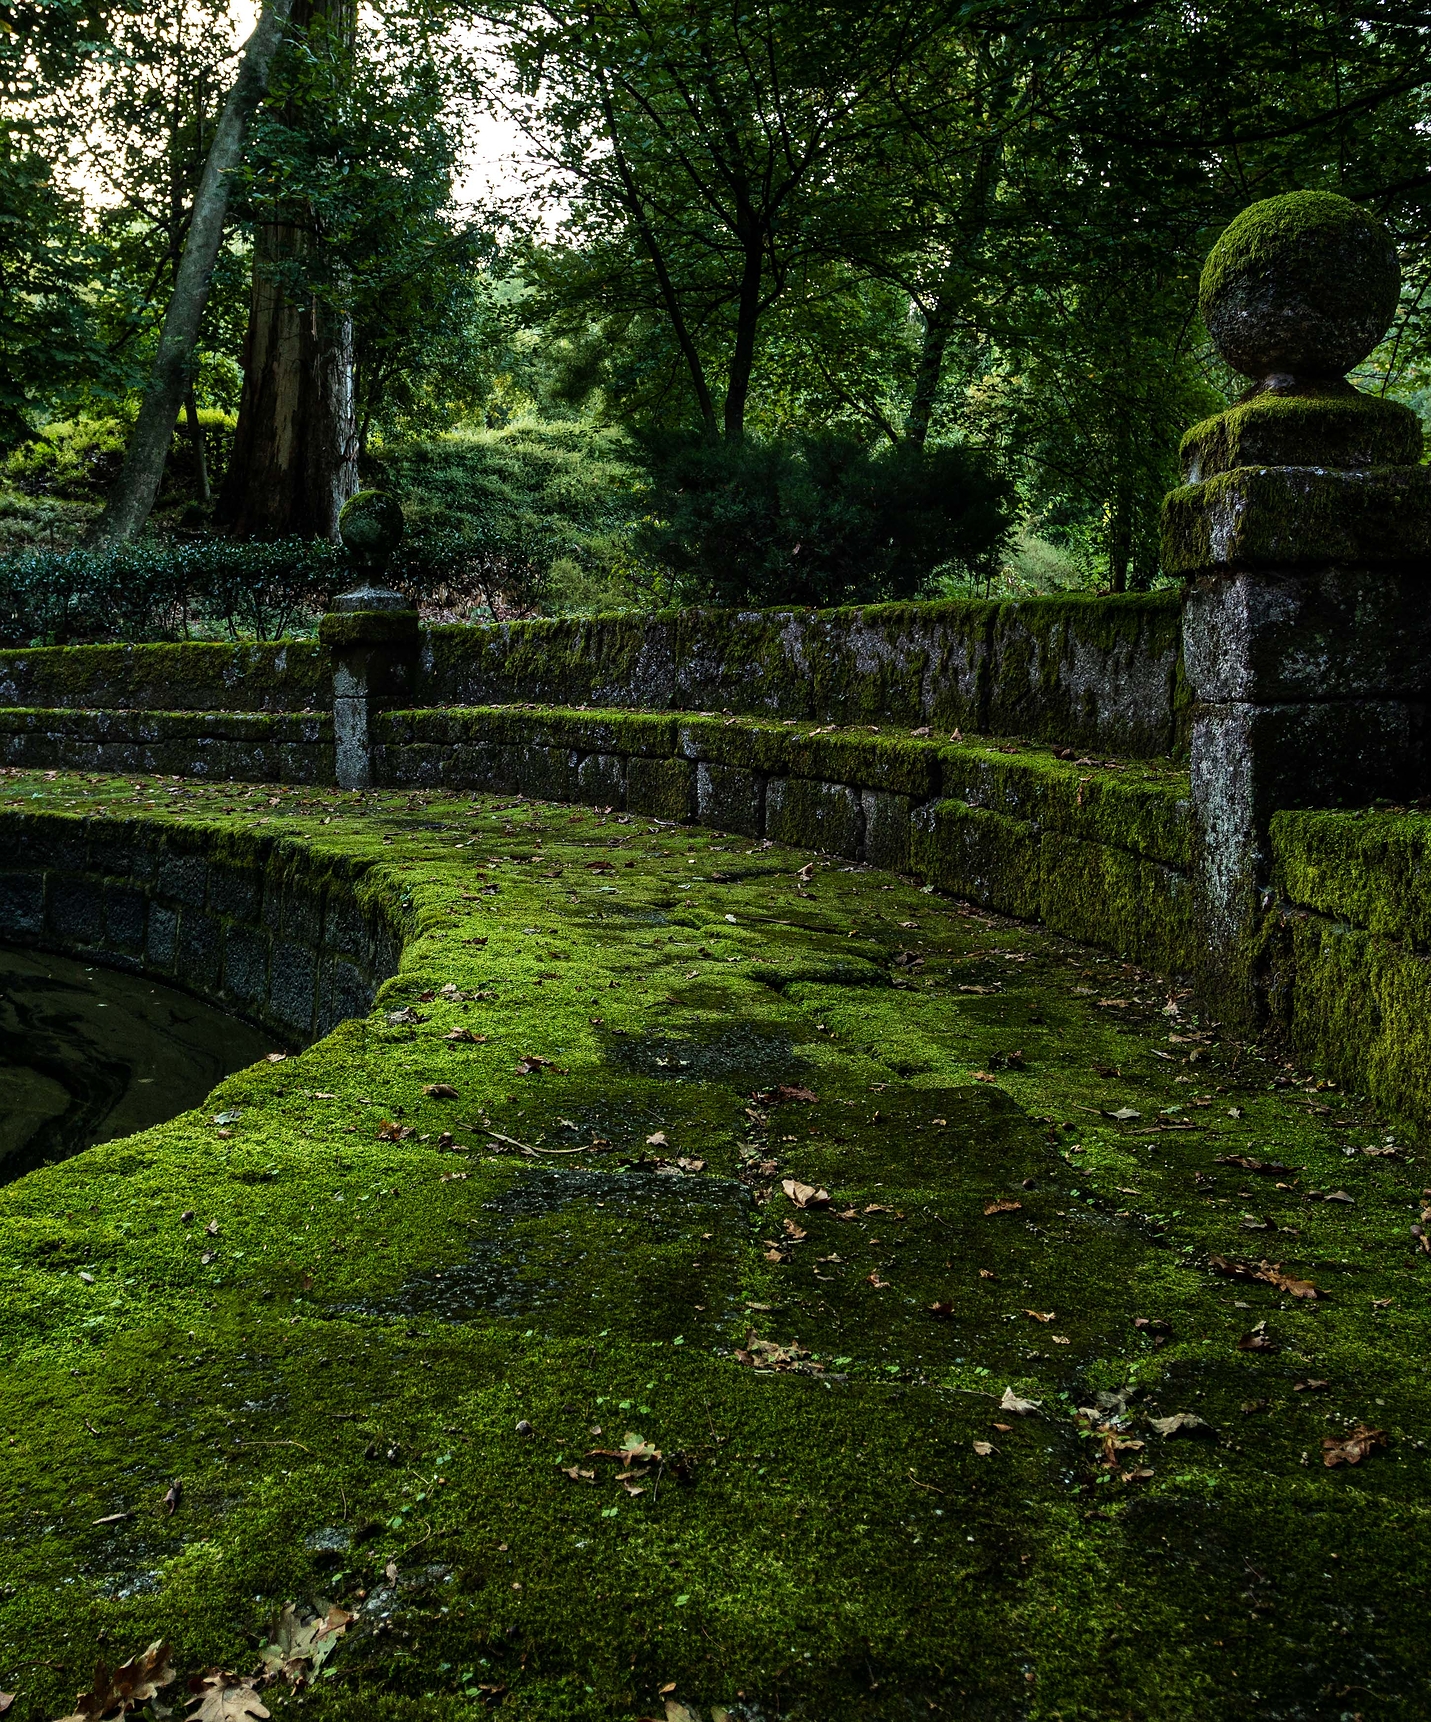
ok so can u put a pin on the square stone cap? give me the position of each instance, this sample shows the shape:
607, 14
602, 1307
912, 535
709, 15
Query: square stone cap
1290, 517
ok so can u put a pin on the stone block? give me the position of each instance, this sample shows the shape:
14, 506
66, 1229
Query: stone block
126, 915
22, 905
1106, 896
245, 964
1329, 634
75, 910
235, 892
345, 927
197, 955
183, 879
344, 991
547, 773
292, 988
729, 798
809, 815
886, 823
661, 788
161, 938
601, 780
980, 856
302, 913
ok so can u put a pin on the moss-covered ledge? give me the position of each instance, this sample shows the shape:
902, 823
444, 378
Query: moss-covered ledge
379, 1307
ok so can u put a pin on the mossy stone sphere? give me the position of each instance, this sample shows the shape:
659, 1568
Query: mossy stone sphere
1300, 287
371, 524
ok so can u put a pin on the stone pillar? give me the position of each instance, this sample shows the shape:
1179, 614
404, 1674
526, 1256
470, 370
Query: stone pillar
1304, 530
372, 633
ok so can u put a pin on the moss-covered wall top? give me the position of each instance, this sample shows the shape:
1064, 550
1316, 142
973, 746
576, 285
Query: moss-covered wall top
1102, 672
192, 675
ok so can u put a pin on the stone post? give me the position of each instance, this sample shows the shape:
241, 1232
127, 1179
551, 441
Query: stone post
1304, 530
372, 633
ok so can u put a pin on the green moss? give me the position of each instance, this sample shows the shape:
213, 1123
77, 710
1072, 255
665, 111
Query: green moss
360, 1304
1281, 517
368, 628
1339, 430
1293, 237
371, 526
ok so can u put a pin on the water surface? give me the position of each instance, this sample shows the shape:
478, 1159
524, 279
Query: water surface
88, 1054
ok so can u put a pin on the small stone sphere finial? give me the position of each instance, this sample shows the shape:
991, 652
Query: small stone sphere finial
1300, 288
371, 526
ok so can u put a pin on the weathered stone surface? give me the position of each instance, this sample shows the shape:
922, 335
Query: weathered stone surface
1300, 286
810, 815
1276, 518
661, 788
1326, 429
886, 829
730, 799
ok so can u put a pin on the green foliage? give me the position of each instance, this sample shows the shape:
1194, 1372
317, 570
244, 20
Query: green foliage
538, 513
821, 520
158, 589
78, 459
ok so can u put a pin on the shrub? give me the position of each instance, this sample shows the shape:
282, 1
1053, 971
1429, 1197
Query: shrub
162, 589
820, 520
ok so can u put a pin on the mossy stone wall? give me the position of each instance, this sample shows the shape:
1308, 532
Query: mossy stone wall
1096, 672
192, 675
247, 747
249, 923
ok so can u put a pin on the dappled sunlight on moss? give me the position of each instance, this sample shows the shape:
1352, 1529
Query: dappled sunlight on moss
1021, 1143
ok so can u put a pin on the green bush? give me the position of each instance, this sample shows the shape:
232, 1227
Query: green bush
78, 459
161, 589
820, 520
535, 516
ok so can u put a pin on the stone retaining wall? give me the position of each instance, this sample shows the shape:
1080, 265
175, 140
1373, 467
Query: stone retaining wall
1096, 672
246, 747
1099, 850
252, 924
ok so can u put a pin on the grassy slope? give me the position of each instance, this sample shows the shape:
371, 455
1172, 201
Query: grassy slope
340, 1387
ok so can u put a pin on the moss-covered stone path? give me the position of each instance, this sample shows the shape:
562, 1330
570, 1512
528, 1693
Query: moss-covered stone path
386, 1310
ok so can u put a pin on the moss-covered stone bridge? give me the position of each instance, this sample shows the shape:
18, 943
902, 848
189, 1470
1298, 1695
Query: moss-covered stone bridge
979, 1321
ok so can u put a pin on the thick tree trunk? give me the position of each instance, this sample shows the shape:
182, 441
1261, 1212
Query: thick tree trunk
295, 454
133, 495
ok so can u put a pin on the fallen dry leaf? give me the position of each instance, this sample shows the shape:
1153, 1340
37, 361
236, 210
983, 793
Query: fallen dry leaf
439, 1091
226, 1697
1183, 1423
298, 1648
576, 1474
805, 1195
874, 1280
1018, 1407
389, 1130
1041, 1315
983, 1448
987, 1274
943, 1310
1309, 1386
465, 1035
786, 1092
131, 1684
6, 1700
1353, 1448
1003, 1206
657, 1140
1248, 1164
1124, 1114
531, 1065
172, 1497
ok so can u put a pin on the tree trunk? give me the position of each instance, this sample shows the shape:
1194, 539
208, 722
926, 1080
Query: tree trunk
927, 376
295, 453
133, 495
196, 437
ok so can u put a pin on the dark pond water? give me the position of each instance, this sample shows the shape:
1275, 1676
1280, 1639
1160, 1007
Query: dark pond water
88, 1054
